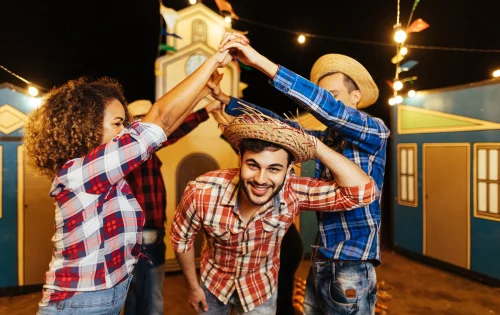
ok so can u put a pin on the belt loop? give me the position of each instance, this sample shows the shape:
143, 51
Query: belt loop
60, 305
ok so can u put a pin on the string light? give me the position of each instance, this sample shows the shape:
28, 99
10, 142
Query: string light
411, 93
392, 101
398, 85
33, 91
399, 34
301, 39
228, 19
192, 2
398, 99
361, 41
496, 73
403, 51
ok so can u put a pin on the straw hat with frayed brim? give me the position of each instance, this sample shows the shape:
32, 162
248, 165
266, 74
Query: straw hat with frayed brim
340, 63
139, 108
255, 125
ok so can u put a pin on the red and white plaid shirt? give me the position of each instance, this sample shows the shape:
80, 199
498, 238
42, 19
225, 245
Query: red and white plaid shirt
246, 258
98, 222
147, 182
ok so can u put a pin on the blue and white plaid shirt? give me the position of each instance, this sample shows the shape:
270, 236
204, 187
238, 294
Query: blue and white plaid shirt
346, 235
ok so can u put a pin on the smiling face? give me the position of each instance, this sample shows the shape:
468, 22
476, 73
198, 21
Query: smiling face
263, 174
114, 116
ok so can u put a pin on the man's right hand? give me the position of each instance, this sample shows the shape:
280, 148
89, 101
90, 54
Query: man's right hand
197, 296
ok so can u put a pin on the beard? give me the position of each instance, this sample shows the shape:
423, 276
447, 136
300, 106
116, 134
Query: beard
244, 186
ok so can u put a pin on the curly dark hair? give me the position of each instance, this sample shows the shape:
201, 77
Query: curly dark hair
69, 123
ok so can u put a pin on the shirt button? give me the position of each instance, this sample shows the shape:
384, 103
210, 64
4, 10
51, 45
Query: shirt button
114, 140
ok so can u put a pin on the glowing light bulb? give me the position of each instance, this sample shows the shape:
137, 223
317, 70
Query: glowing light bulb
411, 93
392, 101
228, 19
33, 91
301, 39
398, 99
192, 1
403, 51
496, 73
398, 85
399, 36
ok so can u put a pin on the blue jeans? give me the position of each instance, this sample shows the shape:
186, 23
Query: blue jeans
345, 287
145, 295
216, 307
103, 302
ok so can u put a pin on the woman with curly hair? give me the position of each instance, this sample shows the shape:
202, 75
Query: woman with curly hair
78, 137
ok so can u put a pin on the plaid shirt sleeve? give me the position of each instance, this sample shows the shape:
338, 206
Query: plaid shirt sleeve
233, 108
318, 195
186, 222
368, 133
190, 123
107, 164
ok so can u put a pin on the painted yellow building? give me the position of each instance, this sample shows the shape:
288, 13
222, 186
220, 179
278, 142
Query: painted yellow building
202, 150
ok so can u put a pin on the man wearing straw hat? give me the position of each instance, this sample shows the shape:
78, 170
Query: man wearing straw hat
145, 294
348, 242
245, 212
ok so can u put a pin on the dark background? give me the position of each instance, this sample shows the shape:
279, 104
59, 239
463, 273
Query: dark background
50, 42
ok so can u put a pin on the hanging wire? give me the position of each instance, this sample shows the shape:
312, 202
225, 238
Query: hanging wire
361, 41
22, 79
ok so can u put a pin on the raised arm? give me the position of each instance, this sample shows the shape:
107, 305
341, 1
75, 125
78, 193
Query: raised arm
234, 105
173, 105
351, 189
369, 134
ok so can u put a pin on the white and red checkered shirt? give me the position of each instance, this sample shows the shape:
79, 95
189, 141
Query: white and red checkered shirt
246, 258
98, 222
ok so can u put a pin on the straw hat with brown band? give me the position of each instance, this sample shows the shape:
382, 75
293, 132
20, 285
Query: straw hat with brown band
332, 63
255, 125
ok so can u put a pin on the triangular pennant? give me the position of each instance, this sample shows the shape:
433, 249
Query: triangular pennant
407, 65
165, 33
165, 47
225, 8
417, 26
414, 120
169, 15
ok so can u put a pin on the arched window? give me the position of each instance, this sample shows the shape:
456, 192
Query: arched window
189, 169
199, 31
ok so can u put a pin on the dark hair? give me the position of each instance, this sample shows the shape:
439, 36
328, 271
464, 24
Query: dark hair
257, 146
68, 124
348, 82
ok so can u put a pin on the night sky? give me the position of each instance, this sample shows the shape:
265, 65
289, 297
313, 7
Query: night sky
50, 42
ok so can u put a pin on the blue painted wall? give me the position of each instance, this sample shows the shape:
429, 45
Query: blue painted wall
480, 102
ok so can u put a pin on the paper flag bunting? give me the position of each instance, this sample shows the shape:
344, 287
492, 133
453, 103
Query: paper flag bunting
417, 26
165, 47
406, 66
170, 16
164, 32
225, 6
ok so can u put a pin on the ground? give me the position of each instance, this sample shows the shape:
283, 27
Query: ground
418, 289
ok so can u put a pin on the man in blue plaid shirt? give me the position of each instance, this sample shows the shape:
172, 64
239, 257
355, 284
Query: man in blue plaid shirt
342, 278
